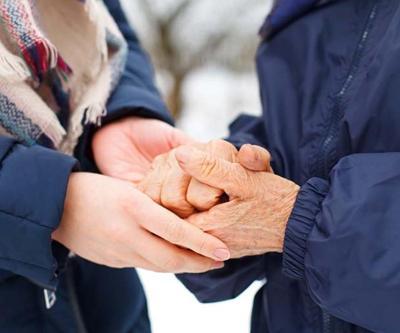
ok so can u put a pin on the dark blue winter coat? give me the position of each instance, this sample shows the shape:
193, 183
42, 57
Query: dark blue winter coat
33, 182
330, 87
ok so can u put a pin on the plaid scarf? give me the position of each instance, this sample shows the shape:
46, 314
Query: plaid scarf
59, 62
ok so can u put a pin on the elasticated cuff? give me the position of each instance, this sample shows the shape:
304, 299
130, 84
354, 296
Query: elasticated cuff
33, 186
301, 221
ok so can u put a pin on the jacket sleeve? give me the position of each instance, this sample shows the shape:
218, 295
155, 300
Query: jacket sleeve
343, 240
226, 283
33, 182
136, 93
247, 129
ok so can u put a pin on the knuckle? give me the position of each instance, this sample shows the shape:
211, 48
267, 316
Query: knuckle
240, 176
216, 144
208, 165
202, 245
159, 159
175, 201
170, 200
223, 148
203, 201
152, 190
175, 233
180, 207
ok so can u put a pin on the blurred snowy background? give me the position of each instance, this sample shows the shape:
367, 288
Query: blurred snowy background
204, 53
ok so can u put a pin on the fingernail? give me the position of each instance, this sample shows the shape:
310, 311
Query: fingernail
222, 254
256, 153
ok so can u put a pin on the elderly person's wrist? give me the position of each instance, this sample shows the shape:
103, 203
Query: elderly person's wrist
285, 212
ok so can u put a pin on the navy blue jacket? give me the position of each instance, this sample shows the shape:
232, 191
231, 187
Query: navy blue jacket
33, 183
329, 82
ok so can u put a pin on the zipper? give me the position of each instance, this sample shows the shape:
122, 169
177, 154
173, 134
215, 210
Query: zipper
327, 149
50, 298
326, 322
73, 298
49, 294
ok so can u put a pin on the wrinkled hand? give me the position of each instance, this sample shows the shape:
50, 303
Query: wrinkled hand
254, 220
110, 222
125, 149
174, 189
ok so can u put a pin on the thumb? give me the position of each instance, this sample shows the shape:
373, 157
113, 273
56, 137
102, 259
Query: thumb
254, 158
210, 170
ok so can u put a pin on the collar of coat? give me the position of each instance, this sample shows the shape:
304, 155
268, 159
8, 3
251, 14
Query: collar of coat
284, 12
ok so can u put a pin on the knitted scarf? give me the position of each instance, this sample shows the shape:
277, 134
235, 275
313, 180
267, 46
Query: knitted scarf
59, 62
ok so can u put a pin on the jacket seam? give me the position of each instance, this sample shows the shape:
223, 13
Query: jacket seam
27, 263
26, 219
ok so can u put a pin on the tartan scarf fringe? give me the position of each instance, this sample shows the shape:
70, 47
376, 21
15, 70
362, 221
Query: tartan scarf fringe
65, 70
12, 68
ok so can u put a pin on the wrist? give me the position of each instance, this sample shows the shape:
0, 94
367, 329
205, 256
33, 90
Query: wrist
286, 210
72, 187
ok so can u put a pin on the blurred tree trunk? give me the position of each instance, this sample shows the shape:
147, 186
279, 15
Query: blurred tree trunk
175, 98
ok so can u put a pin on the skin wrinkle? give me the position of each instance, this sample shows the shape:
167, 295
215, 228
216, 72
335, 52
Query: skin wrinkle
168, 185
253, 221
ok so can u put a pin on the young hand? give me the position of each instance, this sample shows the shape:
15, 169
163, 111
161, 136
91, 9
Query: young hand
110, 222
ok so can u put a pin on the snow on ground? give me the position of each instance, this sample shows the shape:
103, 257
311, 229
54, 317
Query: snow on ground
174, 310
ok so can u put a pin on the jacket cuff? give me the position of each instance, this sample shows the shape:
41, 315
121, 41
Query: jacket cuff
33, 186
83, 151
300, 224
129, 100
245, 129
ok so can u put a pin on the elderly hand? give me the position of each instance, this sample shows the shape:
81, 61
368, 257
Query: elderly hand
174, 189
110, 222
254, 220
125, 149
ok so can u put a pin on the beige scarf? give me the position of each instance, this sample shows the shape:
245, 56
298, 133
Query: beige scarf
59, 62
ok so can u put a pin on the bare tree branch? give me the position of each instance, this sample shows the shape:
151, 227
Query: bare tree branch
178, 11
174, 56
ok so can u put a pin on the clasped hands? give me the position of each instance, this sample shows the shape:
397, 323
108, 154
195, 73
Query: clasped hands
232, 195
169, 204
